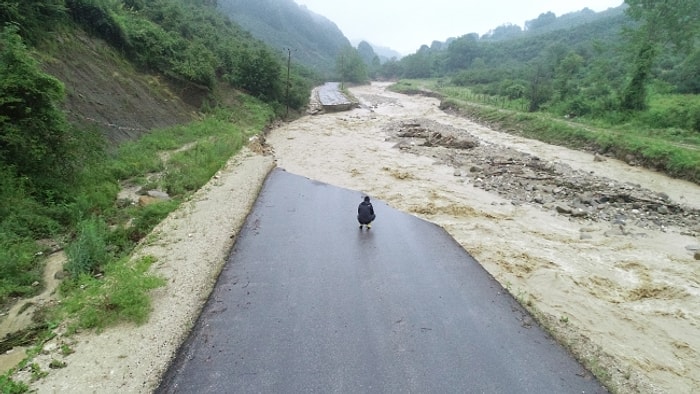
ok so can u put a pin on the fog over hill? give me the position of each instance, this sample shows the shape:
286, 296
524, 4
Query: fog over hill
314, 39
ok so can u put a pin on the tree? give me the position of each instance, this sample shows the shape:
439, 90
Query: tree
418, 65
259, 72
675, 22
504, 32
462, 52
369, 57
351, 67
35, 138
35, 18
566, 78
543, 20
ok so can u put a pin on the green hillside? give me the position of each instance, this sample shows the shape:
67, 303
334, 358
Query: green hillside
315, 41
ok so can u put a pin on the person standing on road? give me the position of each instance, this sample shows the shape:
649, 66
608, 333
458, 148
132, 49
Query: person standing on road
365, 213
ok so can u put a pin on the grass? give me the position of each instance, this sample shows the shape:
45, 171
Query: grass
8, 386
106, 287
120, 295
640, 138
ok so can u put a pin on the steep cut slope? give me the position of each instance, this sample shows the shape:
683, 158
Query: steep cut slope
106, 92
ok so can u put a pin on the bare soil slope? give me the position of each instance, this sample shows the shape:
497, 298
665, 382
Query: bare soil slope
105, 92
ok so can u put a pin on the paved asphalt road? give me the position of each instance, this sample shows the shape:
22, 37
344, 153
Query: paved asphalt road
310, 303
330, 95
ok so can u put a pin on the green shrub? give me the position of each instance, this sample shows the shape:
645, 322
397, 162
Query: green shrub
19, 266
88, 252
150, 45
147, 217
122, 295
673, 111
35, 138
95, 16
8, 386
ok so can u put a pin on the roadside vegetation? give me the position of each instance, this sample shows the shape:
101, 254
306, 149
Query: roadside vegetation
624, 82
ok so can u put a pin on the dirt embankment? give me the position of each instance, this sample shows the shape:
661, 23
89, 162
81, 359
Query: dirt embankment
105, 92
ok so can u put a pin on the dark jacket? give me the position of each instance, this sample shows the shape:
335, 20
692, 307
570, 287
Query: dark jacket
365, 212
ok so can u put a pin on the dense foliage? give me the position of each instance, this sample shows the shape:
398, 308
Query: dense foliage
184, 39
351, 67
615, 65
35, 140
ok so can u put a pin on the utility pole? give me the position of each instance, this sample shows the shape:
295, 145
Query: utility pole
289, 64
342, 70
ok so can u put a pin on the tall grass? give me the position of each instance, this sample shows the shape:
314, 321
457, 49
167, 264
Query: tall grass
88, 252
120, 296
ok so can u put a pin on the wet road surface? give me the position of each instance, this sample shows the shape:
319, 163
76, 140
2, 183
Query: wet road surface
310, 303
329, 95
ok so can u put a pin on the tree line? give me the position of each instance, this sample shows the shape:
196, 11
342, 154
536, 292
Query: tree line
601, 67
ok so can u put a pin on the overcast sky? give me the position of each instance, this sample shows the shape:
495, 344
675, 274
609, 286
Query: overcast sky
405, 25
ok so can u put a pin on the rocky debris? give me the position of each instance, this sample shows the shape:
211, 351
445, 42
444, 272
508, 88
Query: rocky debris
526, 179
258, 144
424, 132
153, 196
314, 107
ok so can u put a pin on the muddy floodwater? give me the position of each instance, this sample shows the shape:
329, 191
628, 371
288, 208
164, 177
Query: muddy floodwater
603, 252
600, 251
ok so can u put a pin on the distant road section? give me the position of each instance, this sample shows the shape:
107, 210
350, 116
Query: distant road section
332, 99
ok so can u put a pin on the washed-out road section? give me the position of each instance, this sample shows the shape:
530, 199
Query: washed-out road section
310, 303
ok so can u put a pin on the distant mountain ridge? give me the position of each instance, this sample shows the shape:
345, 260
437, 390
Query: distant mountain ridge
385, 54
315, 41
548, 22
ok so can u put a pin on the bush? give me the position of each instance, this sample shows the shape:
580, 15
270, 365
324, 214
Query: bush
96, 17
146, 218
150, 46
35, 138
8, 386
513, 89
19, 267
669, 111
121, 296
88, 252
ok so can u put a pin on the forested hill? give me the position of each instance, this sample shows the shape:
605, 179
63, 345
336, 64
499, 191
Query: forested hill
606, 64
129, 64
315, 41
549, 22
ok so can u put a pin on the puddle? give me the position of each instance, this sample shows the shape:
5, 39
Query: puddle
19, 317
12, 358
